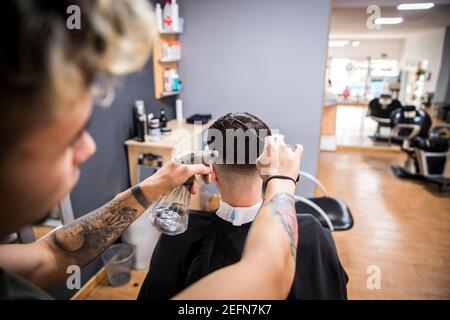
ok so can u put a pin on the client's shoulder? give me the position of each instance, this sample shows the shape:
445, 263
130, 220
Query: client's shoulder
306, 220
311, 231
201, 217
198, 223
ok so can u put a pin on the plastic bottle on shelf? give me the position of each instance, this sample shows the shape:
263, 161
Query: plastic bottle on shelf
175, 49
139, 108
149, 119
163, 119
167, 80
175, 13
159, 20
166, 52
167, 17
154, 129
138, 111
175, 81
141, 127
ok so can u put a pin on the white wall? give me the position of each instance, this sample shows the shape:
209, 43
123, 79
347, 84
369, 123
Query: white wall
374, 48
427, 45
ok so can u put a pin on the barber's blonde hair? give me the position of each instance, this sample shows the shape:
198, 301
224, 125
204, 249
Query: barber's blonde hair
44, 64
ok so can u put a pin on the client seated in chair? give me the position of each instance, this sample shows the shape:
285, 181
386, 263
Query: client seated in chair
215, 239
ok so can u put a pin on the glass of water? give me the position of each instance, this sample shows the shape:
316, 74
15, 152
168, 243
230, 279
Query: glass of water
118, 260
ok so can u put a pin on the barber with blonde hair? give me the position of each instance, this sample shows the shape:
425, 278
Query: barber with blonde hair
49, 76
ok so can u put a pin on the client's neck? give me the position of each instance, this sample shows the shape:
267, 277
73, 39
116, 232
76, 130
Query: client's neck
242, 195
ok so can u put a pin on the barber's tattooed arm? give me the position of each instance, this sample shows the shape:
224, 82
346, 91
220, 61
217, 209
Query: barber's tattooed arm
45, 262
85, 238
282, 207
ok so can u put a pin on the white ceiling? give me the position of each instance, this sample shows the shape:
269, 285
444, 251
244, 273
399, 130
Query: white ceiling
348, 19
381, 3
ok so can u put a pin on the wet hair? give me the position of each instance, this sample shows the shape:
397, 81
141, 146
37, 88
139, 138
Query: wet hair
241, 140
44, 63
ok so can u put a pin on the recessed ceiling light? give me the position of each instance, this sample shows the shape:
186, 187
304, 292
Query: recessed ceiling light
355, 44
388, 20
338, 43
415, 6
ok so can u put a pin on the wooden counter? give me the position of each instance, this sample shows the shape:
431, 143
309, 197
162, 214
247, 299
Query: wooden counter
328, 124
329, 112
98, 288
184, 138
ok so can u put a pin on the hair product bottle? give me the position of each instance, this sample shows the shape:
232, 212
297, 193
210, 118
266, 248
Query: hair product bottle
175, 13
163, 119
167, 17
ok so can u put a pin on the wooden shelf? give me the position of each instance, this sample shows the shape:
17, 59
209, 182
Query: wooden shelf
159, 66
168, 94
170, 32
167, 61
98, 287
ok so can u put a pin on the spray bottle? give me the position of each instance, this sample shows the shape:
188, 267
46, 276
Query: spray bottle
170, 214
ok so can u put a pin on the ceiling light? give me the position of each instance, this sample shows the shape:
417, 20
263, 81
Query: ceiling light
415, 6
355, 44
338, 43
388, 20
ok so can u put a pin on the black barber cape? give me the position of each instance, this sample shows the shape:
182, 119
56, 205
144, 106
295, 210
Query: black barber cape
211, 243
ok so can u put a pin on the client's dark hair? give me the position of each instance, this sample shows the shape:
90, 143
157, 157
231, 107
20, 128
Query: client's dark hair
242, 140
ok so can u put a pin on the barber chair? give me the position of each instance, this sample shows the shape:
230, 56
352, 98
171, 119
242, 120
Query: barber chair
332, 213
427, 150
380, 110
443, 112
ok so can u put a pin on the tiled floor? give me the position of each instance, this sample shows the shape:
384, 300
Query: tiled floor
401, 227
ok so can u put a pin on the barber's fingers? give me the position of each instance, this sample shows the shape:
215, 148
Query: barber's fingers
208, 177
194, 188
299, 150
268, 146
198, 169
271, 146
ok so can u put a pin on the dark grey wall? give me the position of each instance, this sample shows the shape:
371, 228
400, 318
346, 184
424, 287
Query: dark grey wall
261, 56
443, 84
106, 173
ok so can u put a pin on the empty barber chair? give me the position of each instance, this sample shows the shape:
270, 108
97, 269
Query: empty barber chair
380, 110
332, 213
443, 112
427, 150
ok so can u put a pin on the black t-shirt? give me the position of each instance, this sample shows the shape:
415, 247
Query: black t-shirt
211, 243
13, 287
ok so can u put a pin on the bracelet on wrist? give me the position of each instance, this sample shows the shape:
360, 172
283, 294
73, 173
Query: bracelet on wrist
280, 177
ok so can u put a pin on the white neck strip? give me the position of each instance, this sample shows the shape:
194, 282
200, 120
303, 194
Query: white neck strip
237, 215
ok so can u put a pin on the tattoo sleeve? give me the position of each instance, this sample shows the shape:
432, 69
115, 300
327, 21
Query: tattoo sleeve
282, 207
87, 237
